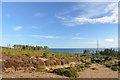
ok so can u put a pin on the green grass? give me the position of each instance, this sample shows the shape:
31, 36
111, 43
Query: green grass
12, 51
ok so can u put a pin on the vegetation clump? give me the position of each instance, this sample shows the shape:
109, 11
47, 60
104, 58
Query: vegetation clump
94, 68
87, 64
59, 71
114, 67
69, 72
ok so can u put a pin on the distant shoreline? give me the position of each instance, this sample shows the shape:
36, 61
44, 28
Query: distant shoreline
78, 50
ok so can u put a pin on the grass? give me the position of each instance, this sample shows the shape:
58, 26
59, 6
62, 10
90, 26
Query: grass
12, 51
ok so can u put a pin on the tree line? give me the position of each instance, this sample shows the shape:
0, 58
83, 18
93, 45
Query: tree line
28, 47
110, 52
105, 52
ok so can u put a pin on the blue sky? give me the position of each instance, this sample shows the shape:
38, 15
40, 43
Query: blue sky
60, 24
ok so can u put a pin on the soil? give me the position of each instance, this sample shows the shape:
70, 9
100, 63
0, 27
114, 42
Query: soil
100, 72
31, 75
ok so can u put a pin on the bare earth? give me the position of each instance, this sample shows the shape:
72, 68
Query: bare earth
31, 75
102, 72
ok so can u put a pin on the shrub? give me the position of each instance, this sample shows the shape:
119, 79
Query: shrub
62, 62
45, 55
94, 68
115, 67
108, 65
71, 73
87, 65
119, 69
59, 71
79, 68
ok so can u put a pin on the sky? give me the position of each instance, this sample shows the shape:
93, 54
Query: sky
60, 24
60, 0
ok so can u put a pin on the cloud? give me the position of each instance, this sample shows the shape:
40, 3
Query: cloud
18, 28
96, 14
78, 38
109, 40
106, 19
47, 37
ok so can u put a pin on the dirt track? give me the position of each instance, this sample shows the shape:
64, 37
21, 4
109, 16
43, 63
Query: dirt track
32, 75
101, 72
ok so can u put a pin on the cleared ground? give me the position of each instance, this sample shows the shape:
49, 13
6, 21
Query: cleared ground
101, 72
31, 75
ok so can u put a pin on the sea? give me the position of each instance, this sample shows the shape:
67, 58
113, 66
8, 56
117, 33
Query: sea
78, 50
